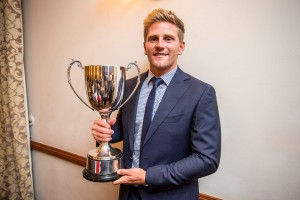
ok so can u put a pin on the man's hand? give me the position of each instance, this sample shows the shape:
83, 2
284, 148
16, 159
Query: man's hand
101, 130
133, 176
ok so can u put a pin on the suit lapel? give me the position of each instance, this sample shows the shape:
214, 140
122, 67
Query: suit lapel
175, 90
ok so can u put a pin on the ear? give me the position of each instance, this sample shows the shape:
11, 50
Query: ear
145, 49
181, 48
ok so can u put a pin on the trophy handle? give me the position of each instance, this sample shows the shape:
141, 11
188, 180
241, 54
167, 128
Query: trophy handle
137, 83
69, 80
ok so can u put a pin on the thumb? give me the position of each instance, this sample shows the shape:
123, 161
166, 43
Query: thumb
122, 172
112, 121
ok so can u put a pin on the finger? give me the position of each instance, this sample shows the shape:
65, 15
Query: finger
117, 182
100, 132
126, 179
123, 179
102, 137
102, 123
101, 126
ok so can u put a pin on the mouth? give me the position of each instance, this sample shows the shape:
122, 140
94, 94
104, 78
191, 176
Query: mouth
160, 54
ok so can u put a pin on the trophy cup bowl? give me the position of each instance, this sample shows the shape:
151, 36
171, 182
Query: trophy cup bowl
104, 87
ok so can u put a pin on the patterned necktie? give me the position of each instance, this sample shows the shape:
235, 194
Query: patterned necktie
147, 117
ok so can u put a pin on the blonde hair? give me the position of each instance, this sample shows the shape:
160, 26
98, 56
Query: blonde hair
159, 15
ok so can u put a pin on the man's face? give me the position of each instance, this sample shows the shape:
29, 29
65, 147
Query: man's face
162, 47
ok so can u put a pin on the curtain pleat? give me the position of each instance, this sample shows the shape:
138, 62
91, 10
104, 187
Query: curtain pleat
15, 173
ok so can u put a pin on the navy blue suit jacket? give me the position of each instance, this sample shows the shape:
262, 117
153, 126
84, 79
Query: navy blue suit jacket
183, 142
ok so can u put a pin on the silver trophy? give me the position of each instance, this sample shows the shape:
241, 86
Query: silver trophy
104, 88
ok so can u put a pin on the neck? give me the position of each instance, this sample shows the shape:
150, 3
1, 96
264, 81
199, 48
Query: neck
158, 72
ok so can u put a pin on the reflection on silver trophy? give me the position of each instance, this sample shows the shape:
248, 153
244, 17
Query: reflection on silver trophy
104, 88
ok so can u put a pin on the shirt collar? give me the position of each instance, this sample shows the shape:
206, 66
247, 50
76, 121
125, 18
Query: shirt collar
166, 77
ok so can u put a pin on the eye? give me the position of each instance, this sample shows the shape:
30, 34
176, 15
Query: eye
168, 39
152, 39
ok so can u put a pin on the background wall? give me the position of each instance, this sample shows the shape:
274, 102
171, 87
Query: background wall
249, 51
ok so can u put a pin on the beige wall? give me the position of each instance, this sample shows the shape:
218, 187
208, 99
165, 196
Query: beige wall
249, 50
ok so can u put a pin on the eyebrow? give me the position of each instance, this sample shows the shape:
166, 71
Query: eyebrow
156, 35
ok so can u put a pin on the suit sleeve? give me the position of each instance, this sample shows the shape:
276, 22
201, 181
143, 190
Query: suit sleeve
205, 134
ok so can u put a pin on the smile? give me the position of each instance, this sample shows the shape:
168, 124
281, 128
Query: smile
160, 54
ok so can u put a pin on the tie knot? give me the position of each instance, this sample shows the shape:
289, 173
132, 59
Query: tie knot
156, 81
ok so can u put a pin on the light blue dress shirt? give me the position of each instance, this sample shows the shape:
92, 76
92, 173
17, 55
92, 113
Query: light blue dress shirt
145, 91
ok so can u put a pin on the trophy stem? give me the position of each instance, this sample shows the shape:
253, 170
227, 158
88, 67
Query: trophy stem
104, 148
105, 114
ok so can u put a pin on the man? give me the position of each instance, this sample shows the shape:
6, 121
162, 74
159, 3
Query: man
183, 141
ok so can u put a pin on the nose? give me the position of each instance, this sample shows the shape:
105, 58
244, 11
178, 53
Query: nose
159, 44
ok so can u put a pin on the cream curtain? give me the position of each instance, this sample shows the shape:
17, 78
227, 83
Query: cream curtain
15, 174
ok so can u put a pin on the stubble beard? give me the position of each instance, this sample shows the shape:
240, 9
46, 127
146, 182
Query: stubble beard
161, 66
